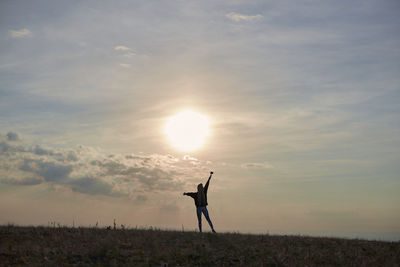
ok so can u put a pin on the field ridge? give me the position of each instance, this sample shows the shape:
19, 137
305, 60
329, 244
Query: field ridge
80, 246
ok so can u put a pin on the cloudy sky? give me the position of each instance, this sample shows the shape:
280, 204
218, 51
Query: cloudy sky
303, 99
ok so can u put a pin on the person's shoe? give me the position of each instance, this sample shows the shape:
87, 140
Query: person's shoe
214, 231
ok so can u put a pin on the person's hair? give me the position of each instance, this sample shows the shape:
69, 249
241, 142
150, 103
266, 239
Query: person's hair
201, 197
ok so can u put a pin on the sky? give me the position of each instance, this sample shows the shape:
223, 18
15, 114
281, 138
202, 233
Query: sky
303, 99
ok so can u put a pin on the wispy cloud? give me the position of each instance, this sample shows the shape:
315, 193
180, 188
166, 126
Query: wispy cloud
257, 165
20, 33
242, 17
188, 157
122, 48
129, 54
125, 65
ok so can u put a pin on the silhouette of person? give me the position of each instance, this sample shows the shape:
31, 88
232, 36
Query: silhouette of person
200, 200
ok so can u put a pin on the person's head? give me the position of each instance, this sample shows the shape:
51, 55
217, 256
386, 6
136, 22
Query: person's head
200, 188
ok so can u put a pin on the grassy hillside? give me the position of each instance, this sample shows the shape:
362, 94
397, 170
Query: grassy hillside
137, 247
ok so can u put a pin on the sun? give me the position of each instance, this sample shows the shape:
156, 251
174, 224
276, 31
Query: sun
187, 130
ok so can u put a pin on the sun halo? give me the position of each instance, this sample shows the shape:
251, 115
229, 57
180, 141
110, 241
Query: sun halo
187, 130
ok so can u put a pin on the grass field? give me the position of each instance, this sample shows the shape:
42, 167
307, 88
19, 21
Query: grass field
62, 246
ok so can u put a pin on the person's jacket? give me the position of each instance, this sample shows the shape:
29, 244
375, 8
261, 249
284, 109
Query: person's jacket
196, 198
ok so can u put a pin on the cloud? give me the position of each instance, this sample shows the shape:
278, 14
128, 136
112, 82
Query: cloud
24, 181
51, 171
93, 172
125, 65
38, 150
11, 136
57, 173
92, 186
191, 160
241, 17
187, 157
129, 54
6, 148
256, 166
20, 33
122, 48
71, 156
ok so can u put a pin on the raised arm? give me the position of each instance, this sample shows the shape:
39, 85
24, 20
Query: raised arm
208, 182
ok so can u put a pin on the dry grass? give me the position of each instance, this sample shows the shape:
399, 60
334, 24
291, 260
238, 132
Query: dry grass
62, 246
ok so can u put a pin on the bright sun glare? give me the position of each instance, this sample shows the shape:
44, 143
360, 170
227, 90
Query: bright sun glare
187, 130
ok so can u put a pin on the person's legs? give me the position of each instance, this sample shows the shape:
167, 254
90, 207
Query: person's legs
205, 211
199, 217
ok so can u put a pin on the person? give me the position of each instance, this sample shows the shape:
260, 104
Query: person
200, 200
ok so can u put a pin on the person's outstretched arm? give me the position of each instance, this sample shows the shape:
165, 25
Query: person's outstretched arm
190, 194
208, 182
